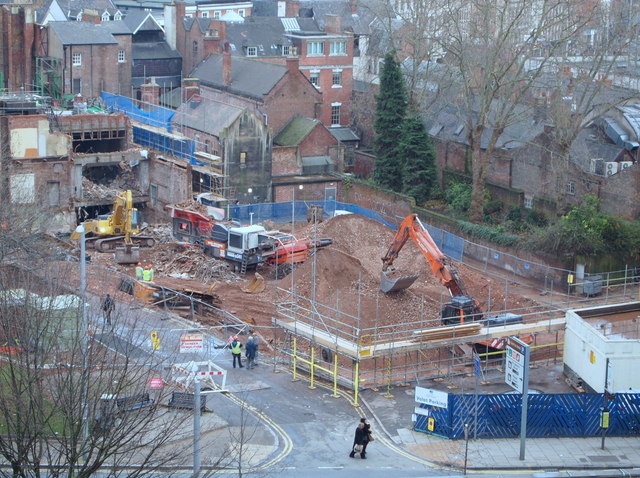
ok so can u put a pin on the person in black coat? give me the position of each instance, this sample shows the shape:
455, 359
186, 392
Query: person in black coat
361, 438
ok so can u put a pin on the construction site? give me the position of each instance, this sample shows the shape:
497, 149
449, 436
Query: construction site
328, 317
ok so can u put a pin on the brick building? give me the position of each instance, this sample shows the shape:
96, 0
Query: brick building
272, 92
306, 154
326, 58
17, 44
236, 146
91, 57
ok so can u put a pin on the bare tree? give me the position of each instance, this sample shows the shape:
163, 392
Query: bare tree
68, 408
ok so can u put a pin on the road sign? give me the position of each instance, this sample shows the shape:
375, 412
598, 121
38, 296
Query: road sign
156, 382
191, 343
435, 398
514, 369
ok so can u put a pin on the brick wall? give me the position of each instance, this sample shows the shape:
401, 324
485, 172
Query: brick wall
292, 95
285, 161
17, 32
173, 181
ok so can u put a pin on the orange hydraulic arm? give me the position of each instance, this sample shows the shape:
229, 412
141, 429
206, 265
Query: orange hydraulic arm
412, 228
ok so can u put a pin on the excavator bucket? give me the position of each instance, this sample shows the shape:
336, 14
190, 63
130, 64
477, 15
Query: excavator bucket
394, 284
256, 285
127, 254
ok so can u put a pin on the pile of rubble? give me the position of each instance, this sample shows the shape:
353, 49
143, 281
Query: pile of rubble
189, 262
125, 179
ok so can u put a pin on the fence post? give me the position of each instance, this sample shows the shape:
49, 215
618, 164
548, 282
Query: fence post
335, 376
295, 355
311, 386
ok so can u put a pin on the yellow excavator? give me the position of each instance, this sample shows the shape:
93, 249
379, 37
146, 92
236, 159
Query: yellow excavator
117, 231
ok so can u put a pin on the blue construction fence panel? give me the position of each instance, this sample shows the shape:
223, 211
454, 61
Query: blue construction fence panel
159, 117
287, 211
449, 244
548, 415
180, 148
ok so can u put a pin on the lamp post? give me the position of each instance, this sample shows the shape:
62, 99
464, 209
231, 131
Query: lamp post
84, 330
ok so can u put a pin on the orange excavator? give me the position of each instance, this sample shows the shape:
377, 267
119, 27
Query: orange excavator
462, 308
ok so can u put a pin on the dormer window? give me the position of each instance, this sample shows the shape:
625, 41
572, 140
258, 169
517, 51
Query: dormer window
117, 16
252, 51
106, 17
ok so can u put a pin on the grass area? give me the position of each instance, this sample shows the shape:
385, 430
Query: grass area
54, 416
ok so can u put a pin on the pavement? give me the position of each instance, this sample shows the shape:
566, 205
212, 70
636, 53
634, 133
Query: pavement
389, 410
288, 415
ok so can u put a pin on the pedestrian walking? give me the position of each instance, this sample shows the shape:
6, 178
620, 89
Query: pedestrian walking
139, 271
236, 351
361, 439
250, 352
108, 305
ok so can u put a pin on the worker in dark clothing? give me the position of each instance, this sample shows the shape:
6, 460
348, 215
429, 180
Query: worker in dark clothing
108, 305
361, 439
250, 352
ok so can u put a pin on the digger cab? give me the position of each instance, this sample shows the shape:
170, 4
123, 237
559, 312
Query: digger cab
460, 310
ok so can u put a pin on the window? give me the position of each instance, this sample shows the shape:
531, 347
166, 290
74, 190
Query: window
153, 194
337, 78
106, 17
53, 193
315, 78
117, 16
315, 48
121, 56
76, 86
207, 146
241, 12
571, 187
528, 202
252, 51
243, 159
338, 48
195, 48
285, 50
216, 15
335, 114
205, 14
76, 59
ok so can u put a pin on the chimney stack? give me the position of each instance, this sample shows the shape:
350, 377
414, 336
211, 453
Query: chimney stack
293, 61
354, 6
151, 91
292, 8
190, 89
332, 23
226, 65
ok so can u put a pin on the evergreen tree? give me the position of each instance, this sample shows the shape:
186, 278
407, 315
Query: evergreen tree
390, 112
418, 157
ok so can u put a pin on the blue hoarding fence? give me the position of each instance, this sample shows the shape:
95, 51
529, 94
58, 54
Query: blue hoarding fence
449, 244
548, 415
158, 116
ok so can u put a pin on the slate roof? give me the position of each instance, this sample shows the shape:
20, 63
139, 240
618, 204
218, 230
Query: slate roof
73, 7
251, 78
138, 20
295, 131
206, 115
266, 34
447, 125
153, 51
344, 134
358, 23
116, 27
82, 33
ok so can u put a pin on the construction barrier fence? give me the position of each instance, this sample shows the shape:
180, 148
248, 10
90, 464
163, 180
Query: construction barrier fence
548, 415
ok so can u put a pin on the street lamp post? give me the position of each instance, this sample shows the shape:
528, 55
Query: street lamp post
84, 330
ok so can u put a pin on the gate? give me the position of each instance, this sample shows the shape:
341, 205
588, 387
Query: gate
548, 415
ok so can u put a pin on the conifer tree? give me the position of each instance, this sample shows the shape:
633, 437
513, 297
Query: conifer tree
390, 112
418, 158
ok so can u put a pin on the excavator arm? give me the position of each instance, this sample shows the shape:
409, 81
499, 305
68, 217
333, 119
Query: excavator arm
440, 265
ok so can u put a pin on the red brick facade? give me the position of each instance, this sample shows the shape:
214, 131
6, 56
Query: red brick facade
17, 31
